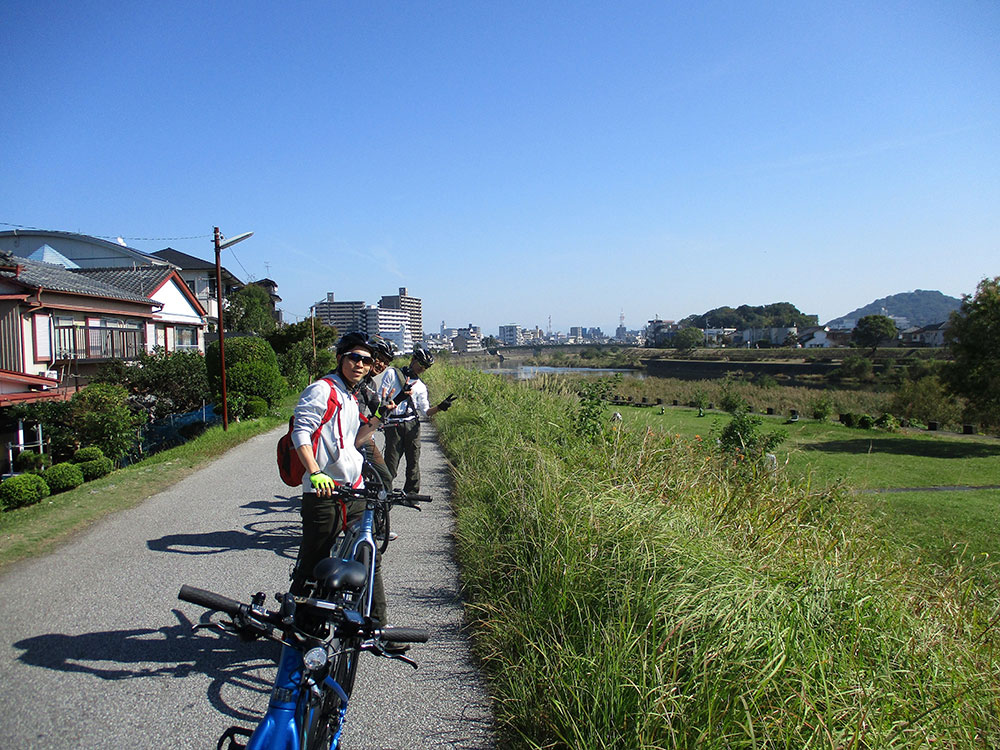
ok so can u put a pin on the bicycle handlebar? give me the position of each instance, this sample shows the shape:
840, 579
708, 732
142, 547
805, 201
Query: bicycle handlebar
211, 600
244, 616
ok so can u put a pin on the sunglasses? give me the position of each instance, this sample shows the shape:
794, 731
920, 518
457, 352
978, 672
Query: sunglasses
362, 358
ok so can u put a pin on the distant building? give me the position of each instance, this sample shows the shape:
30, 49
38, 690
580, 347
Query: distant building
344, 316
412, 306
389, 324
468, 339
271, 287
660, 333
511, 335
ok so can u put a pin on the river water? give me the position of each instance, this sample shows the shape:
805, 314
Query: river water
527, 372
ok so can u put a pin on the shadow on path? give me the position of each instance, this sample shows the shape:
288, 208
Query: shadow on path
281, 536
170, 651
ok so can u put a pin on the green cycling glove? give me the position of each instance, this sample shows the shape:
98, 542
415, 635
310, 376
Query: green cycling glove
322, 482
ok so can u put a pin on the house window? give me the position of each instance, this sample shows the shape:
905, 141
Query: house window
186, 338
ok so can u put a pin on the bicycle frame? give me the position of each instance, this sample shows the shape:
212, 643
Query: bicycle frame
358, 538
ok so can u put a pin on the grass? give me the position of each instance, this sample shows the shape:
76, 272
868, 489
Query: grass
34, 530
637, 591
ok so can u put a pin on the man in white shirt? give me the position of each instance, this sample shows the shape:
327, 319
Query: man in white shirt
402, 426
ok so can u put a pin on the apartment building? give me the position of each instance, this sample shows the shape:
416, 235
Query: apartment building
392, 325
412, 306
344, 316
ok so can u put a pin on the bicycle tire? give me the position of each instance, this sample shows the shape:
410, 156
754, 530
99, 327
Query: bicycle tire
345, 668
319, 720
381, 530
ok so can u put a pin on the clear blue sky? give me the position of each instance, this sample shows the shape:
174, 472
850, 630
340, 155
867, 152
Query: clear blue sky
513, 160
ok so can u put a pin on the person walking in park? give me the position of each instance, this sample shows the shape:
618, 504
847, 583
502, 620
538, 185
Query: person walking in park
402, 427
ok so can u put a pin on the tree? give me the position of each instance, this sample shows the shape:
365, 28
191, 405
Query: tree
973, 336
873, 330
249, 311
689, 338
163, 382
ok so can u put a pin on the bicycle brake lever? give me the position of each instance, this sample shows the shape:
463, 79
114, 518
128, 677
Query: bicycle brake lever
402, 658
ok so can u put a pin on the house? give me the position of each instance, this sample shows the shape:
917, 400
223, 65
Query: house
199, 275
179, 323
823, 337
271, 287
55, 322
75, 250
930, 335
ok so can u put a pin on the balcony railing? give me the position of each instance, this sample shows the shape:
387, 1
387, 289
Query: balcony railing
73, 342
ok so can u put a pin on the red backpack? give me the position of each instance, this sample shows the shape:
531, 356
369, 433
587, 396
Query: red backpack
290, 467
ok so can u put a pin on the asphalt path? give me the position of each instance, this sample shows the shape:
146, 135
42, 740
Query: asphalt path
97, 652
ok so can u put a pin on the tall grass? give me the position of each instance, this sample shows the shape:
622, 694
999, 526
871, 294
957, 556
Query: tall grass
634, 592
782, 398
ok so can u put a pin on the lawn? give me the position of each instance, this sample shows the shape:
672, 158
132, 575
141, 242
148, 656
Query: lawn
940, 524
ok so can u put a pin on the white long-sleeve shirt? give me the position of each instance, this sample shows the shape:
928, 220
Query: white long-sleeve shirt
392, 384
334, 447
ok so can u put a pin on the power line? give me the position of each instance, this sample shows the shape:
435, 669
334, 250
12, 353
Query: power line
112, 236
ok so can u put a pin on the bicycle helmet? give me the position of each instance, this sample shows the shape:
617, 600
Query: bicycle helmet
353, 340
384, 349
423, 356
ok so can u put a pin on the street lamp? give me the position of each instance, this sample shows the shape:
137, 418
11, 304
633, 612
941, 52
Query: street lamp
221, 245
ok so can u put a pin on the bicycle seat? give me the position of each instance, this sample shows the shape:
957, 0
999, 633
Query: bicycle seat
341, 574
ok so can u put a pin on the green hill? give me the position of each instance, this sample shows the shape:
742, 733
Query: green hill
920, 308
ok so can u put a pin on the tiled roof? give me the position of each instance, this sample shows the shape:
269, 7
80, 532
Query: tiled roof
185, 261
55, 278
141, 281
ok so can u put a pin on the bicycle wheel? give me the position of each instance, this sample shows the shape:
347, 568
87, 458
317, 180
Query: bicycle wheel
319, 720
345, 667
381, 528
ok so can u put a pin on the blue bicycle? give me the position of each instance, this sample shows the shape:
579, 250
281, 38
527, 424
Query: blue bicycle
322, 636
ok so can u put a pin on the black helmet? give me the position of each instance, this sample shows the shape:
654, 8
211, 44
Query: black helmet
353, 340
384, 349
423, 356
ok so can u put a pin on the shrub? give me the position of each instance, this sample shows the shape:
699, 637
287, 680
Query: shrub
743, 439
822, 408
241, 349
888, 423
102, 417
96, 468
62, 477
255, 408
22, 490
90, 453
256, 379
865, 422
162, 383
29, 461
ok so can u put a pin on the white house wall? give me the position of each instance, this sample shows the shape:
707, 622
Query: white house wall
176, 308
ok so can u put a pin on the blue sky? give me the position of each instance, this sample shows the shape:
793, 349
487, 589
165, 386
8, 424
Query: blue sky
514, 161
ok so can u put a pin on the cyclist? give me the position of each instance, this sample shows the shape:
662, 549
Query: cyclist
372, 397
334, 458
402, 427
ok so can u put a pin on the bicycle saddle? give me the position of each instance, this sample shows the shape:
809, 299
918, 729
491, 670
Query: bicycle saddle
341, 574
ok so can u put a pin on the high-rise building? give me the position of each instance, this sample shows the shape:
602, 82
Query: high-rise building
412, 306
511, 335
344, 316
389, 324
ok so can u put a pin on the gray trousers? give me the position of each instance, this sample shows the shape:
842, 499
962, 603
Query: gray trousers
403, 440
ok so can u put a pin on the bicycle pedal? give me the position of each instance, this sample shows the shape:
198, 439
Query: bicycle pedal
234, 744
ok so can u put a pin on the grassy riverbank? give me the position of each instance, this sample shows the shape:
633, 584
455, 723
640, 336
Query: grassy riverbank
633, 592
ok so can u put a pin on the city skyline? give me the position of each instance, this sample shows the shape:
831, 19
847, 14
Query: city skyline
511, 163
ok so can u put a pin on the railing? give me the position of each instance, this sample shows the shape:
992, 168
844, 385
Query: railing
86, 342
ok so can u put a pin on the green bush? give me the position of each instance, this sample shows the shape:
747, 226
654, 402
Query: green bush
96, 468
22, 490
90, 453
822, 408
256, 379
888, 423
241, 349
865, 422
63, 477
101, 416
255, 408
30, 461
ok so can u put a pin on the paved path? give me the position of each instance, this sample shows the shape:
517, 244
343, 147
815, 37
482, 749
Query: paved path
97, 652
